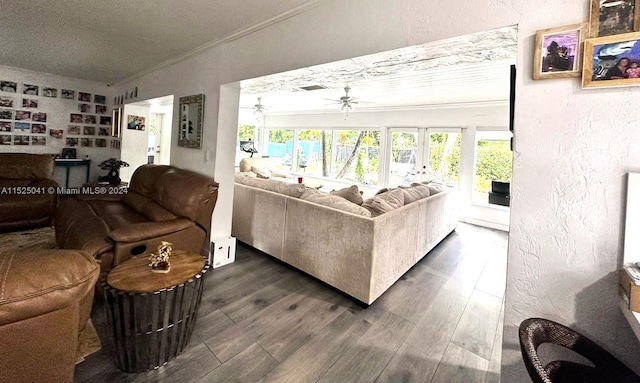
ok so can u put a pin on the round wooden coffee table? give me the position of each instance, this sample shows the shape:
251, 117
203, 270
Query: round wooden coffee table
152, 315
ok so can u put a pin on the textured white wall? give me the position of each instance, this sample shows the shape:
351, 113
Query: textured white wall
573, 147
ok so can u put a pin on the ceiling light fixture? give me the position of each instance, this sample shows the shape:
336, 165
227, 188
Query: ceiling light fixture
347, 104
258, 111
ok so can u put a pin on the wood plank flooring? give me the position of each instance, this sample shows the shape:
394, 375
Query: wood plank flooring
261, 321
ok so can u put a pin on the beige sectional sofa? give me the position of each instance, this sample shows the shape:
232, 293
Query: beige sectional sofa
357, 254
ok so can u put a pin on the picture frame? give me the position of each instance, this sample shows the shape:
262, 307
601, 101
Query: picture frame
116, 122
68, 153
613, 17
558, 52
604, 64
135, 122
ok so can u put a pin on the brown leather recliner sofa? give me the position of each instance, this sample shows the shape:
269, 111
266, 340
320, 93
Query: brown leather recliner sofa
44, 305
26, 197
163, 203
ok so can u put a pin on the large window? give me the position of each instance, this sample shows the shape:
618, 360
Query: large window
444, 156
357, 156
493, 162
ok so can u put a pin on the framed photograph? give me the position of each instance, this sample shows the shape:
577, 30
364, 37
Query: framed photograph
8, 86
21, 140
613, 17
6, 102
56, 133
84, 108
6, 114
90, 119
85, 97
75, 117
23, 115
86, 142
70, 142
38, 140
5, 126
611, 61
73, 129
69, 152
101, 109
101, 143
39, 117
50, 92
5, 139
558, 52
30, 89
103, 131
105, 120
29, 103
38, 129
135, 122
68, 94
98, 99
22, 126
89, 130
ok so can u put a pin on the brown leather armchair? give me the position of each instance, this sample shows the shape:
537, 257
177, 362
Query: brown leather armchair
163, 203
45, 304
26, 197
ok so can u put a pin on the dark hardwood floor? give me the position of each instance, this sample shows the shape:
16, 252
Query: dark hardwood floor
261, 321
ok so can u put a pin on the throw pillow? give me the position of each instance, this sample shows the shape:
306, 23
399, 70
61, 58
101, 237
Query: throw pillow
436, 187
415, 192
385, 202
260, 172
335, 202
351, 194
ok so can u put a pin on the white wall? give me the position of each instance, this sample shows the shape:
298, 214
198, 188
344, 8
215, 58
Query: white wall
573, 147
58, 112
134, 142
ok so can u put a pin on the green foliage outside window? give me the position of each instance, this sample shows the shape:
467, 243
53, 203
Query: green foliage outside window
493, 163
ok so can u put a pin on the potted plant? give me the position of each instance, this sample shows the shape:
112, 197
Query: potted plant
113, 165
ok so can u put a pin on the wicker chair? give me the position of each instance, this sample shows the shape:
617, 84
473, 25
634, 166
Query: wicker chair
536, 331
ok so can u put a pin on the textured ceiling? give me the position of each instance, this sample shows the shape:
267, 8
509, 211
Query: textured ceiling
109, 41
467, 69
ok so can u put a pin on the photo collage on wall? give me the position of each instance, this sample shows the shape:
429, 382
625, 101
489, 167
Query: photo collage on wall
90, 126
23, 122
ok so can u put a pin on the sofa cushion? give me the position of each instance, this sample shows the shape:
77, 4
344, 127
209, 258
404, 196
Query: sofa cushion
436, 187
350, 193
22, 166
415, 192
144, 178
135, 200
261, 172
280, 187
183, 192
384, 202
336, 202
147, 207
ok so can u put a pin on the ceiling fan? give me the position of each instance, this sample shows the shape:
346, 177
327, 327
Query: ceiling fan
347, 103
258, 109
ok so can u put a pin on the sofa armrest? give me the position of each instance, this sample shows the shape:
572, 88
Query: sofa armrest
143, 230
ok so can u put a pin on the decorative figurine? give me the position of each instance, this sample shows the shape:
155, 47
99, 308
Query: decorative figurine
160, 262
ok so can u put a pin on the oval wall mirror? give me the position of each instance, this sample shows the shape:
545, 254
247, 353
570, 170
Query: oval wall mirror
190, 121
